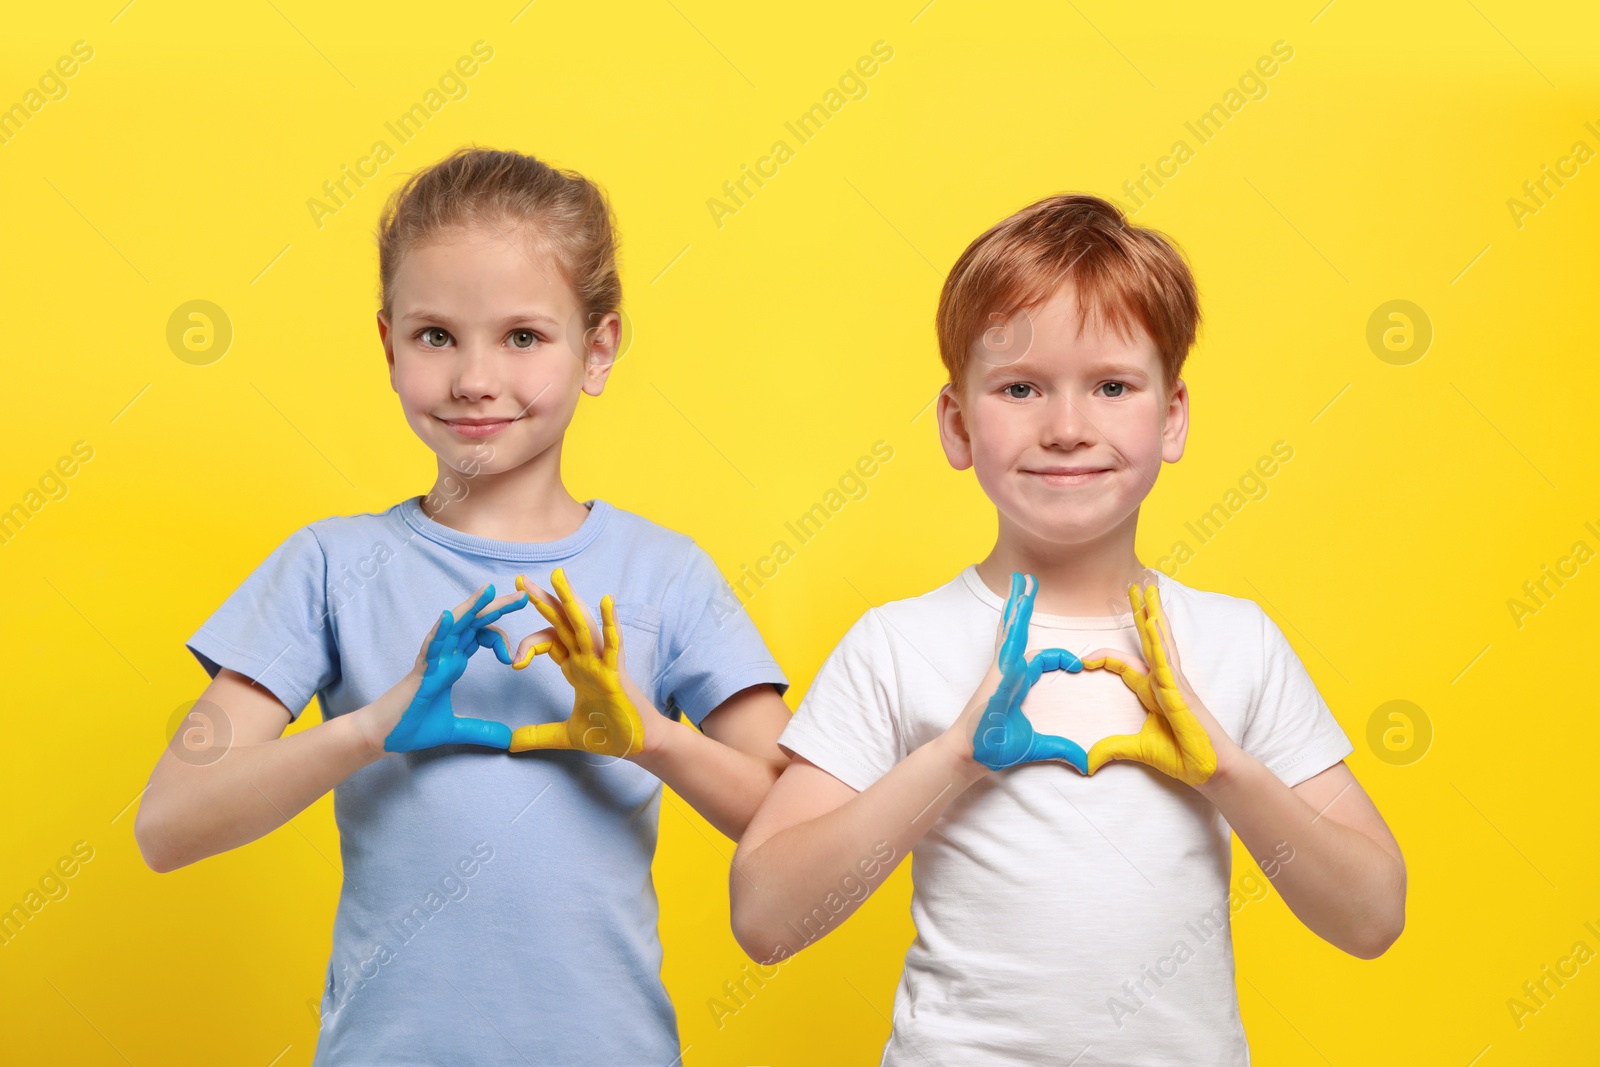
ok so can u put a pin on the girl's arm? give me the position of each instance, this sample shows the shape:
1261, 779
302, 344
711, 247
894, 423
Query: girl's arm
250, 779
245, 779
726, 768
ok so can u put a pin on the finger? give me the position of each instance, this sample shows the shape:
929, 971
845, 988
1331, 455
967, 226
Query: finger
473, 605
493, 637
1050, 746
464, 630
1141, 622
1052, 659
480, 633
1137, 680
1160, 638
465, 608
483, 732
534, 644
1117, 746
1163, 638
581, 621
439, 636
549, 607
540, 735
1105, 661
1019, 609
513, 602
609, 632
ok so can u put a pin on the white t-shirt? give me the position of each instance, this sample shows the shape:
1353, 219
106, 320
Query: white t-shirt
1060, 916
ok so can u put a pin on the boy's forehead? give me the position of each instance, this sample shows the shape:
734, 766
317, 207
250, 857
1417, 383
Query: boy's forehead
1054, 335
1051, 346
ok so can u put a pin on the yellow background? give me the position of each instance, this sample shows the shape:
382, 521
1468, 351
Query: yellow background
770, 354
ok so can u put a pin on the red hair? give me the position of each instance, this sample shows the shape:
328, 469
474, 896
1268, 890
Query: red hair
1125, 276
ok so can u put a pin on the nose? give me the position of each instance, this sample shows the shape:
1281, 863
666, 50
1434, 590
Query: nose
1066, 423
476, 375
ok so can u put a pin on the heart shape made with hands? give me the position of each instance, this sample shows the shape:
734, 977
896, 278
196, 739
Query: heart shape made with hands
1171, 739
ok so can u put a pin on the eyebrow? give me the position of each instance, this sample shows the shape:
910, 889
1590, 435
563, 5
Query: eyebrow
523, 316
1105, 366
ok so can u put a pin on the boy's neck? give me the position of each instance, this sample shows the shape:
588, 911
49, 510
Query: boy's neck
1086, 579
528, 504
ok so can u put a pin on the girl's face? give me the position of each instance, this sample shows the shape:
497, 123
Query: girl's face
487, 348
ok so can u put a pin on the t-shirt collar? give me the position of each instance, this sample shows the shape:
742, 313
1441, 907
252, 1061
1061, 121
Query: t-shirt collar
515, 551
1070, 622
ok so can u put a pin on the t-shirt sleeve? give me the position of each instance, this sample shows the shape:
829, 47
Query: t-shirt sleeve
712, 648
847, 722
1290, 728
275, 628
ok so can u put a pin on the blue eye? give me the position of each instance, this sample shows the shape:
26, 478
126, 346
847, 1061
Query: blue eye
1122, 388
1017, 385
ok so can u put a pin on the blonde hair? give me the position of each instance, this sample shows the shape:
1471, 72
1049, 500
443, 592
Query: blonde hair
567, 213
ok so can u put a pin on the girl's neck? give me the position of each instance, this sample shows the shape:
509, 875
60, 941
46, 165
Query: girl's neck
527, 504
1088, 579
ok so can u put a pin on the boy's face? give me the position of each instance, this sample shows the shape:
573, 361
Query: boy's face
1066, 433
485, 327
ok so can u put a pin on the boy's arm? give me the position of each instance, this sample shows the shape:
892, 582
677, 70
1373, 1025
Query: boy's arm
1343, 875
815, 837
816, 842
1344, 878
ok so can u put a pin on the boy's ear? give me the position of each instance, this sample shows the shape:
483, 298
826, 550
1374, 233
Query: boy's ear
388, 347
597, 346
1175, 424
953, 433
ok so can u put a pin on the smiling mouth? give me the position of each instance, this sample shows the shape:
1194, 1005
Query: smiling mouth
1060, 478
477, 428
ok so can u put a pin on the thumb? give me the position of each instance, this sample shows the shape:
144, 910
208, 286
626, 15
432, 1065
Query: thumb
1117, 746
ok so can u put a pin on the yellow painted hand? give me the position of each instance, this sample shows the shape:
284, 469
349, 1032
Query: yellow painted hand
1173, 740
604, 720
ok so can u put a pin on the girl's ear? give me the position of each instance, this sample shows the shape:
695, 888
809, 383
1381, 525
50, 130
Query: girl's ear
388, 347
953, 433
599, 346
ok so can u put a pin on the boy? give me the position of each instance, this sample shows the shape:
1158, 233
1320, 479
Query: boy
1063, 918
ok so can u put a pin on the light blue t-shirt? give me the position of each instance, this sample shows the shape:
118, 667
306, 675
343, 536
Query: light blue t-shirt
497, 908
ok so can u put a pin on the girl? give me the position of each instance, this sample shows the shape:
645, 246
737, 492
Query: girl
496, 907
